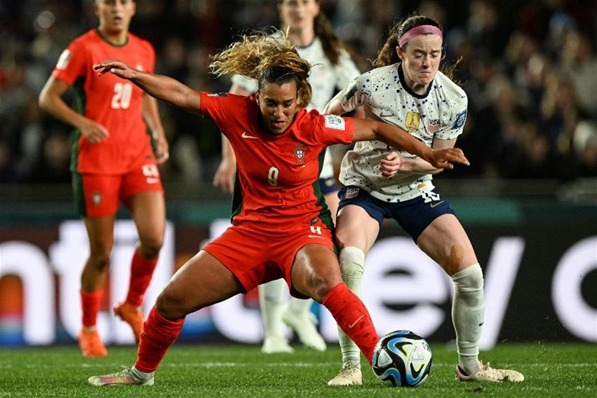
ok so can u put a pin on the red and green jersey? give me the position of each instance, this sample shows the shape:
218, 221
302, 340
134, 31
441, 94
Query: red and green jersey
277, 175
109, 100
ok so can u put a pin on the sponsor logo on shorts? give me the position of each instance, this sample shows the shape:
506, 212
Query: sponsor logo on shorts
435, 204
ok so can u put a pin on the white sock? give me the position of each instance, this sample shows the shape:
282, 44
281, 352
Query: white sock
299, 306
352, 265
468, 309
272, 302
141, 376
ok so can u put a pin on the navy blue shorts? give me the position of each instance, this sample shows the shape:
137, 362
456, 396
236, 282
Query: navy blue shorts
413, 215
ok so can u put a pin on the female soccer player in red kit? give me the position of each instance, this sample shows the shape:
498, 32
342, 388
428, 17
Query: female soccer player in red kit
281, 228
112, 159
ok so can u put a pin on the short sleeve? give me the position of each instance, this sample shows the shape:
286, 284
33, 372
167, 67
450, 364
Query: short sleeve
72, 64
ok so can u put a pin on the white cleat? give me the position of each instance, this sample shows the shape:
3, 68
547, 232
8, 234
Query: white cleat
350, 375
276, 345
488, 374
303, 324
127, 376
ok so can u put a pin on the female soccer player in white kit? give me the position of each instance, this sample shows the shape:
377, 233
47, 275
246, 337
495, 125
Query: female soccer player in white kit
333, 69
407, 90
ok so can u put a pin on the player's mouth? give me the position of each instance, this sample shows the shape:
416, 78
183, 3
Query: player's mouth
278, 126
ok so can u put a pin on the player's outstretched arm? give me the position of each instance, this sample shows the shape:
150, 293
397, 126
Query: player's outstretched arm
367, 129
159, 86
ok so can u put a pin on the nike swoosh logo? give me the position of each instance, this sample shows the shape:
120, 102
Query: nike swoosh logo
245, 135
432, 205
315, 236
355, 322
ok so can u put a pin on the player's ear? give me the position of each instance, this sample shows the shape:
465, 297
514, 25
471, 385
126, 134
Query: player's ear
400, 52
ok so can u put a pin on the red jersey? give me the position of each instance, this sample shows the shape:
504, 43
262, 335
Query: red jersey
278, 175
109, 100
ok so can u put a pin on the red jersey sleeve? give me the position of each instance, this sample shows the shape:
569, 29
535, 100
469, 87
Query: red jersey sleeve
72, 63
337, 130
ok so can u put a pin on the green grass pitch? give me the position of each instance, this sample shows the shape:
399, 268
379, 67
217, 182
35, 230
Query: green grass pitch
551, 370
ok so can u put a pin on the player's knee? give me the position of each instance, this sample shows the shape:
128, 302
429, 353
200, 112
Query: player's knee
170, 304
352, 263
469, 279
150, 247
99, 260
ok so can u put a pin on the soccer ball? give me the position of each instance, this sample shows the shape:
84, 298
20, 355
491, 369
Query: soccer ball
402, 359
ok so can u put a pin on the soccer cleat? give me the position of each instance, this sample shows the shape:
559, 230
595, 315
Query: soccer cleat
276, 345
489, 374
303, 324
131, 315
91, 345
126, 376
350, 375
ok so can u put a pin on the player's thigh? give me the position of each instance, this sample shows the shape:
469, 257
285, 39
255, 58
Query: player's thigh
148, 210
447, 243
200, 282
355, 227
315, 271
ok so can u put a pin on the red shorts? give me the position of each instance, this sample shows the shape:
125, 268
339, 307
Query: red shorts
255, 256
99, 195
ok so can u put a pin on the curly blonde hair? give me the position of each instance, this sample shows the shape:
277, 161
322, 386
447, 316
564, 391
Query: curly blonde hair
268, 59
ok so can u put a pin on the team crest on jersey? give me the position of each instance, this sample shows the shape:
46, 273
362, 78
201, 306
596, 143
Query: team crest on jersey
334, 122
299, 154
412, 121
63, 60
96, 198
434, 126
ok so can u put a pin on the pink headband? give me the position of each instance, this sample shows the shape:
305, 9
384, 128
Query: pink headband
419, 30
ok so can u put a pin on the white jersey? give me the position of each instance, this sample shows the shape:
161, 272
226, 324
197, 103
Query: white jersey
440, 113
324, 78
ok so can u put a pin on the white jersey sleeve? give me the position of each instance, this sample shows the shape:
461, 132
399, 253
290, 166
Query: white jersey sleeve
245, 82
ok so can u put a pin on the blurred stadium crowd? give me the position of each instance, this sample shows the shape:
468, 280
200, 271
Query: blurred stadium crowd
529, 68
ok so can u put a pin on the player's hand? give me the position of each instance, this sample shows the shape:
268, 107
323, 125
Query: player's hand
224, 176
445, 158
94, 132
116, 67
160, 147
390, 165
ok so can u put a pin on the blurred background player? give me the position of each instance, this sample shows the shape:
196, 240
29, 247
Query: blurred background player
311, 32
113, 160
406, 89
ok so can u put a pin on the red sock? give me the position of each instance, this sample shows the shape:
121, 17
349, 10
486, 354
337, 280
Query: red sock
141, 273
352, 317
90, 304
157, 336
